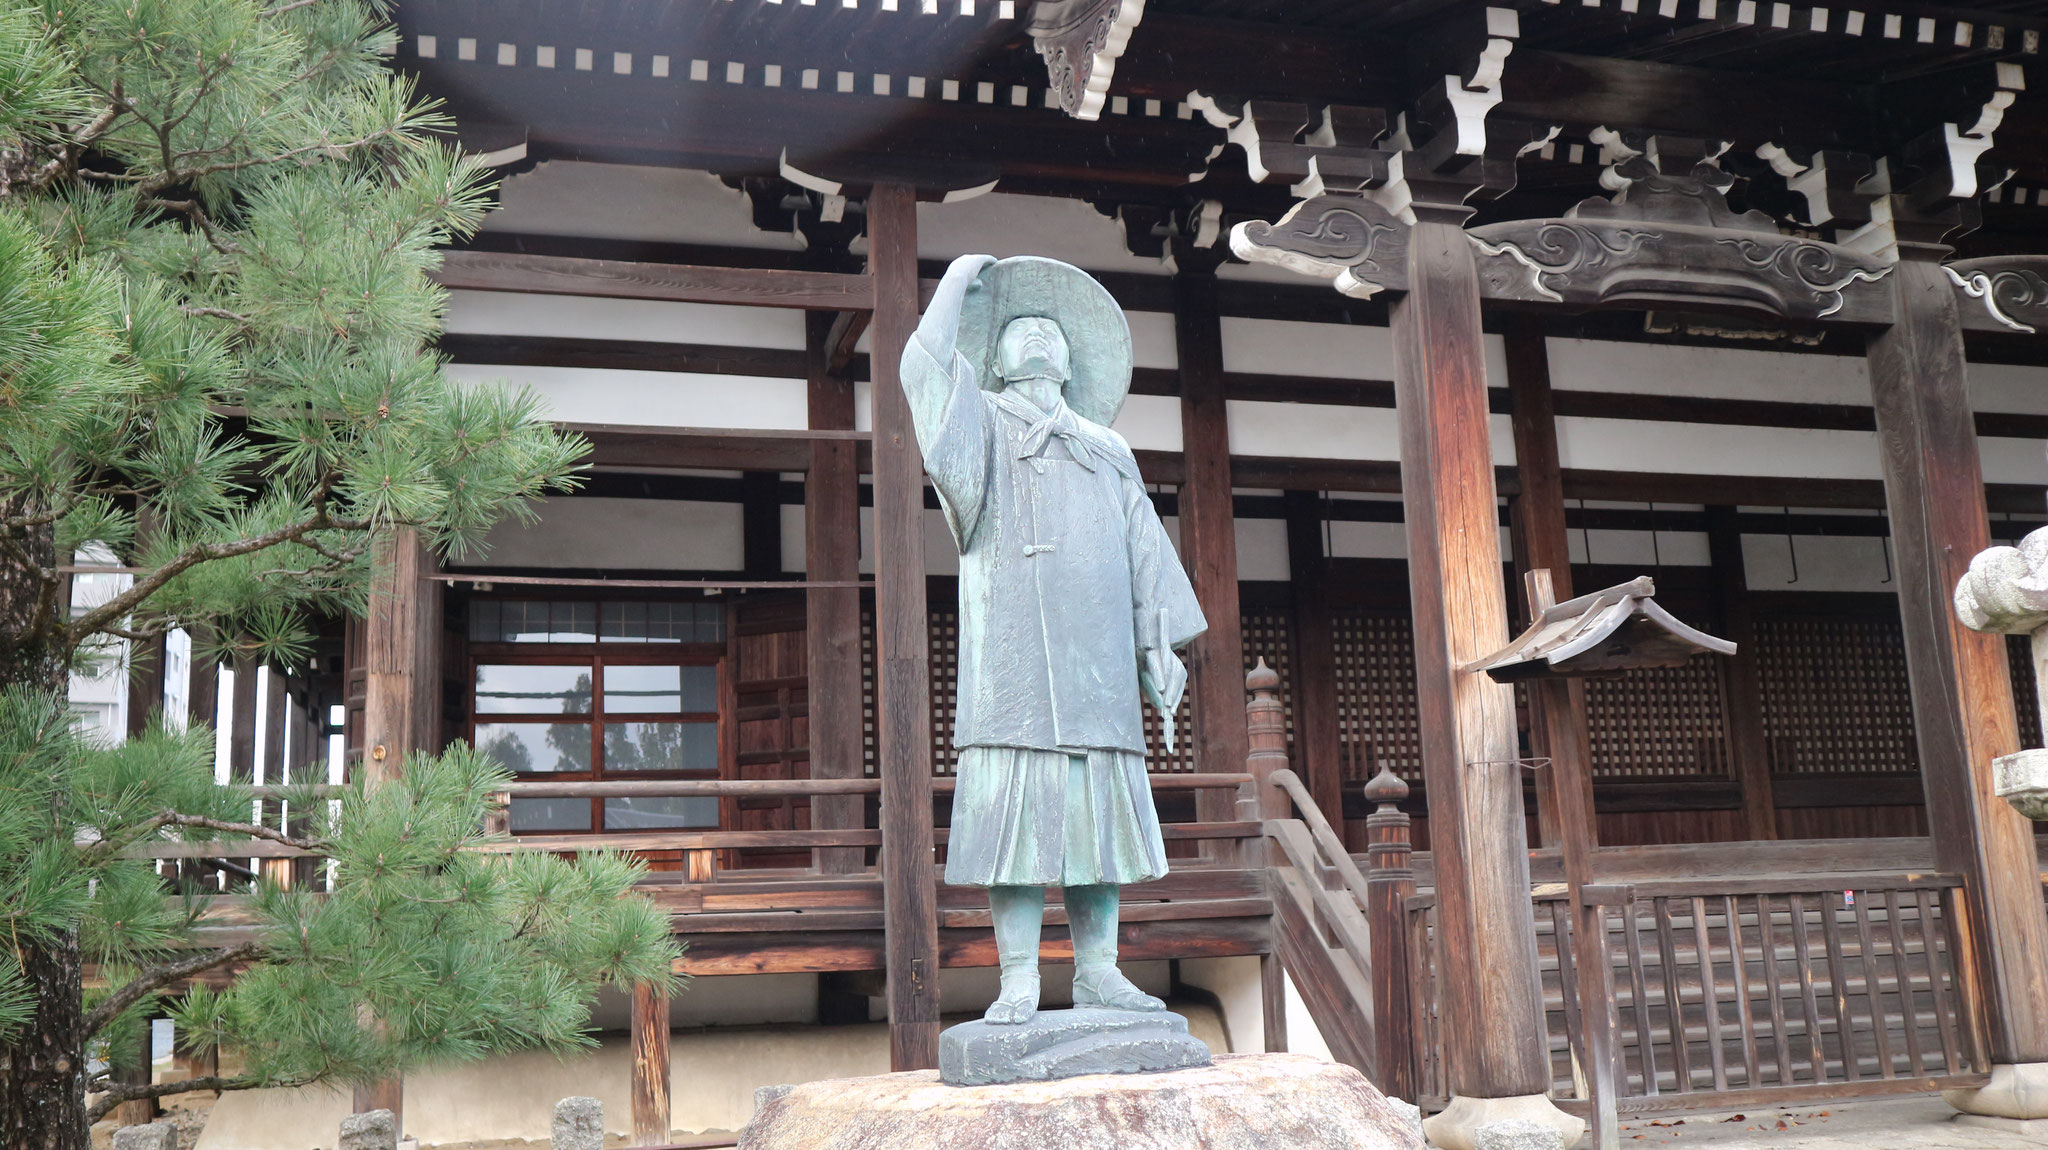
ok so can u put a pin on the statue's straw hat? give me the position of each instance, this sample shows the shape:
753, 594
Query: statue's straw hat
1098, 336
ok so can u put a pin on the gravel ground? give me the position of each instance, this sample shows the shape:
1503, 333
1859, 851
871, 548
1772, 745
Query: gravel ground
1919, 1122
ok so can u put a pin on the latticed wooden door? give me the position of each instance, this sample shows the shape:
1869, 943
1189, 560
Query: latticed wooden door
769, 723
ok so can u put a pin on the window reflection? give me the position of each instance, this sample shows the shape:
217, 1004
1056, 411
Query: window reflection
661, 746
662, 813
536, 747
666, 690
529, 815
517, 689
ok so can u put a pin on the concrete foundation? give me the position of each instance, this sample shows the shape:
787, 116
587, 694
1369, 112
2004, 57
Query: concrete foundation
2015, 1092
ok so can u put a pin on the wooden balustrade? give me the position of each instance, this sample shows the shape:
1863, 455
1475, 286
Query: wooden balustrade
1743, 992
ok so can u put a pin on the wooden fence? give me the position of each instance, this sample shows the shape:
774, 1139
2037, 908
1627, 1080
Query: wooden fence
1740, 992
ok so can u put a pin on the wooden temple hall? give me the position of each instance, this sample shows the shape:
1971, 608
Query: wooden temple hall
1664, 324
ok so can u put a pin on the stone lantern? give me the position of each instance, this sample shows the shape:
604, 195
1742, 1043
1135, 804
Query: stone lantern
2006, 592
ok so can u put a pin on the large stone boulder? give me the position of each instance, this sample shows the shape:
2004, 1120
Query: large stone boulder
1241, 1102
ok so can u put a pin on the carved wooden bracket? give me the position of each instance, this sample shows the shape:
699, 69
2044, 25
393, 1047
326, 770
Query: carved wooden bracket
1081, 40
1672, 241
2012, 291
1346, 238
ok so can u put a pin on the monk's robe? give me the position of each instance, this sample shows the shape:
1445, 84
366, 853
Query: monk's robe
1068, 583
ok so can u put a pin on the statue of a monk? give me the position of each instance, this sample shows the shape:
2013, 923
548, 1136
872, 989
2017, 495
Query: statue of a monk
1072, 604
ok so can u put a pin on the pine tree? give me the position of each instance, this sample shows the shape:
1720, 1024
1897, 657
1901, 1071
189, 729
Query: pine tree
217, 224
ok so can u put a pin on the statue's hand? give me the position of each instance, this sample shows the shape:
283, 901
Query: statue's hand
941, 323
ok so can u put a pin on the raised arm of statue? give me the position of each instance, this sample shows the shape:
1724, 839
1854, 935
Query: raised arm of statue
946, 407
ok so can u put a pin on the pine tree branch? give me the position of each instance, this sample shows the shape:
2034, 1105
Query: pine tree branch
253, 830
119, 1092
100, 617
154, 978
192, 210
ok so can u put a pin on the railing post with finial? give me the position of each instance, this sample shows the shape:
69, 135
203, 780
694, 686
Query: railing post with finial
1389, 881
1266, 731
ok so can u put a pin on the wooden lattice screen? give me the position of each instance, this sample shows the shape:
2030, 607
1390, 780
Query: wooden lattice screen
944, 633
2019, 651
1376, 719
1658, 722
1835, 697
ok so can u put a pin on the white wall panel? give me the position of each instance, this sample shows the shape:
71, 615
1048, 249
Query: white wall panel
1262, 549
1712, 449
1287, 347
1826, 563
645, 321
1325, 431
619, 534
1150, 422
626, 202
1002, 225
652, 398
1729, 373
2006, 387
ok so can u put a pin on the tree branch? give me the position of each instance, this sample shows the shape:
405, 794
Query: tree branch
156, 978
97, 619
253, 830
119, 1092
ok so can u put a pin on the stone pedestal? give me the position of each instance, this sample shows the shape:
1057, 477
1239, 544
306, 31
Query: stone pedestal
1241, 1102
2015, 1094
1067, 1043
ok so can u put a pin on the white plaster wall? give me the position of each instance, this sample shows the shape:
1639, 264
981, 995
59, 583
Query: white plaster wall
1826, 563
1304, 1036
1001, 225
650, 398
1234, 980
619, 534
1262, 549
645, 321
625, 202
1150, 423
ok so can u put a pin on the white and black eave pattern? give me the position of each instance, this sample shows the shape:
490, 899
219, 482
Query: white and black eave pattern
1946, 32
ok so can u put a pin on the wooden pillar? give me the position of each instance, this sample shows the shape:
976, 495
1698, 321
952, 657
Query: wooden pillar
139, 1111
1541, 543
1208, 532
1742, 700
903, 676
1273, 1002
1487, 933
832, 624
761, 524
1389, 881
401, 694
402, 701
1962, 696
145, 683
1315, 657
650, 1066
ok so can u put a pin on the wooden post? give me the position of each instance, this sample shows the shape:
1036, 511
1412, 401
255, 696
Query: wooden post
1273, 1002
902, 641
1962, 695
1541, 543
1389, 881
1742, 700
1208, 531
1593, 974
1315, 657
650, 1065
401, 695
832, 621
145, 683
1266, 731
1486, 930
139, 1111
402, 702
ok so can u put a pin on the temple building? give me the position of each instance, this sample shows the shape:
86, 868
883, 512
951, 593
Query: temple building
1736, 297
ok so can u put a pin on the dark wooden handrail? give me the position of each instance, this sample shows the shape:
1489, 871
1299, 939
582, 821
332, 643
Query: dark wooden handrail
1330, 846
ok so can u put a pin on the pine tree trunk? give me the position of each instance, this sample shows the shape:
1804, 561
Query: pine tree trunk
42, 1072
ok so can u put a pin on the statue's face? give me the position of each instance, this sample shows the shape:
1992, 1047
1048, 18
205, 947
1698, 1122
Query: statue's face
1033, 346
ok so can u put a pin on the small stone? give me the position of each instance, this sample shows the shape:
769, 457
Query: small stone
1066, 1043
1410, 1112
1516, 1134
370, 1130
579, 1124
155, 1136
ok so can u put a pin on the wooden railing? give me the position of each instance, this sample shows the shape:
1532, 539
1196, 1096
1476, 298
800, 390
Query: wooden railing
1745, 992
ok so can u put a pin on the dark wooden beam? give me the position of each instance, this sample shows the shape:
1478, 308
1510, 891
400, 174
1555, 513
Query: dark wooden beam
673, 283
1962, 692
761, 524
903, 676
1486, 934
1557, 710
626, 445
847, 328
1313, 681
1749, 759
1207, 529
832, 623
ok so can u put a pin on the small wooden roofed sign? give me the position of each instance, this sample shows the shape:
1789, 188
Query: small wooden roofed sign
1601, 633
